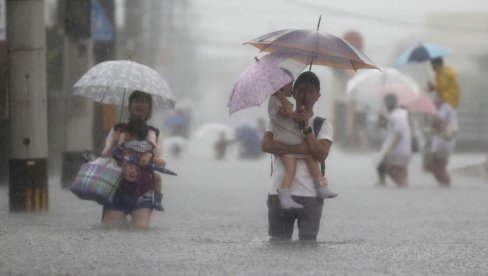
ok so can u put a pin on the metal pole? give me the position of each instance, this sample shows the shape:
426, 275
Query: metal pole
79, 111
28, 186
4, 127
103, 50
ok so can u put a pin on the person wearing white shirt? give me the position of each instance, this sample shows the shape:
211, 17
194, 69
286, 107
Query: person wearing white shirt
397, 147
445, 125
306, 91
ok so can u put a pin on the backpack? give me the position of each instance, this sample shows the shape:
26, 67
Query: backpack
317, 125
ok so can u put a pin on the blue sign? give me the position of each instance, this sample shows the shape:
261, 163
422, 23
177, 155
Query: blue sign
101, 27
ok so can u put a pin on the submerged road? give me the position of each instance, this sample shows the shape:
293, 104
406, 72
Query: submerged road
215, 224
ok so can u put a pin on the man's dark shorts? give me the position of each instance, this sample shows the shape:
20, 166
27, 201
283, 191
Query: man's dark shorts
282, 222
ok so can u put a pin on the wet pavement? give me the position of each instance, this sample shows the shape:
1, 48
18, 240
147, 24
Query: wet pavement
215, 224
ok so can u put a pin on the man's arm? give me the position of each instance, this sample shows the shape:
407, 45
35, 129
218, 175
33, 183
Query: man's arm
318, 149
268, 144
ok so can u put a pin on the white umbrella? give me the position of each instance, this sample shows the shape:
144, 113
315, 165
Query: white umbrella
365, 88
111, 82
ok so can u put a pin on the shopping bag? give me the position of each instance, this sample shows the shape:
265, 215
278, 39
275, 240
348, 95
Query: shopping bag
97, 180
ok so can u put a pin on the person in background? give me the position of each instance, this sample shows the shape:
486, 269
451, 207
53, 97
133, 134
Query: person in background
397, 147
445, 128
446, 85
248, 138
221, 146
381, 166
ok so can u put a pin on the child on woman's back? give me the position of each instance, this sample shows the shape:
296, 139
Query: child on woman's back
138, 145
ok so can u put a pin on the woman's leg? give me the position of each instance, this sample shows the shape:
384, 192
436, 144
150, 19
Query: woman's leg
114, 218
141, 218
398, 174
440, 170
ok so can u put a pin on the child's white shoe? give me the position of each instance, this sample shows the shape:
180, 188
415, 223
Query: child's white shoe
286, 201
323, 190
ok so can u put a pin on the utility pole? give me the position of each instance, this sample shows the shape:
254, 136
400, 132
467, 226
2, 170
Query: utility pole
136, 30
103, 35
78, 110
28, 186
4, 128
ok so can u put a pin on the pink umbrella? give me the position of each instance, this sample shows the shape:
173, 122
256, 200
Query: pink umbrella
415, 101
367, 88
363, 85
262, 79
422, 104
402, 91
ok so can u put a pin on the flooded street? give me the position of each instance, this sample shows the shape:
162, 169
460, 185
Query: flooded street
133, 77
215, 223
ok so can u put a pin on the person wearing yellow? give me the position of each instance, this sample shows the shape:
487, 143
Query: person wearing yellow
446, 85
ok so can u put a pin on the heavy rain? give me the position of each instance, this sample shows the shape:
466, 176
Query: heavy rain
153, 137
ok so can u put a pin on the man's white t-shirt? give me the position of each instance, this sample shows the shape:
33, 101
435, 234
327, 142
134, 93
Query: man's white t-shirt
398, 123
302, 184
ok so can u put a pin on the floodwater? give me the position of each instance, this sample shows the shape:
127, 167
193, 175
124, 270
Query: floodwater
215, 224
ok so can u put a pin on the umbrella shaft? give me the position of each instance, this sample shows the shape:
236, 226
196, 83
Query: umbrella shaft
122, 107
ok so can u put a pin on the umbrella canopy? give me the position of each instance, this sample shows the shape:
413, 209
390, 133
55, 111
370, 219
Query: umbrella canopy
421, 104
312, 47
368, 88
365, 87
262, 79
423, 52
403, 92
111, 82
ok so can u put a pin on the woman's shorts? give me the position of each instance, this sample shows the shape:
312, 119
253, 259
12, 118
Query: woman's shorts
398, 160
128, 203
442, 148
